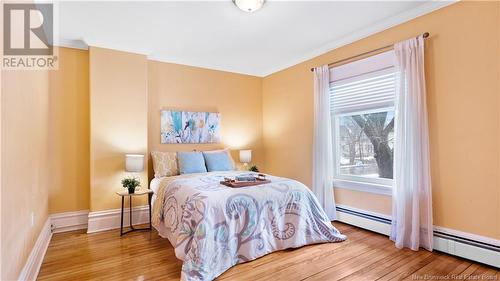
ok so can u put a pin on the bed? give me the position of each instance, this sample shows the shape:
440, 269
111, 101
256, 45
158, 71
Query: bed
212, 227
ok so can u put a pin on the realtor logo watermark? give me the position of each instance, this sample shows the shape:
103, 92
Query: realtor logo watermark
28, 36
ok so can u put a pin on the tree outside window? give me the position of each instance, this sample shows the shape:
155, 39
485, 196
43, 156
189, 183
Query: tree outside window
366, 144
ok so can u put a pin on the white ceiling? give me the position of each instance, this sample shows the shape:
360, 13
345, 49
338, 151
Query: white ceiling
217, 35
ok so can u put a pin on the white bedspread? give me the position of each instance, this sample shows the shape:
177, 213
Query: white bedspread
213, 227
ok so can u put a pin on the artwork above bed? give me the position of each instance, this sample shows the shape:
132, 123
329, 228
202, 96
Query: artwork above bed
190, 127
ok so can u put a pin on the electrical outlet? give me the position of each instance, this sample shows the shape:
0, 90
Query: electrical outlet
32, 219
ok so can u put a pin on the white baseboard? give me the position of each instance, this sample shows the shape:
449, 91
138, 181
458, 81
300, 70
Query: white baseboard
466, 235
35, 259
97, 221
468, 251
69, 221
110, 219
466, 245
363, 222
61, 222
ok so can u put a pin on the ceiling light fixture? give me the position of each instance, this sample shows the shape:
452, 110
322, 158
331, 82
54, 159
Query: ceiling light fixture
249, 6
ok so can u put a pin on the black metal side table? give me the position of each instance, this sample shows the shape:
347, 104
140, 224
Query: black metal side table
139, 192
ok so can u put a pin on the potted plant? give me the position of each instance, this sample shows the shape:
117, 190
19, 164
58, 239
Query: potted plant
131, 183
254, 169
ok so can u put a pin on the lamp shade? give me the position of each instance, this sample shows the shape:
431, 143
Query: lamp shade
134, 163
245, 156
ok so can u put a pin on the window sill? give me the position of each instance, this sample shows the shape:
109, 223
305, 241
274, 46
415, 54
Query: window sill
363, 186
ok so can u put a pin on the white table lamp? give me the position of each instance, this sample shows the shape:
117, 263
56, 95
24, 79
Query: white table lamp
245, 156
134, 163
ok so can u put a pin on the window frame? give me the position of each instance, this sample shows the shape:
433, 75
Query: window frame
351, 182
359, 183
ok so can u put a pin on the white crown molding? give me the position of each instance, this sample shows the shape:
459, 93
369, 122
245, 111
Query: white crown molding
73, 44
354, 36
119, 48
365, 32
35, 259
68, 221
82, 45
208, 67
110, 219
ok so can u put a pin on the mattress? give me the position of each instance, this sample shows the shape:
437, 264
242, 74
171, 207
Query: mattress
154, 185
213, 227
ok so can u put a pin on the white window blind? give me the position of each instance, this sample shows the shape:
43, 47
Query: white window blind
364, 92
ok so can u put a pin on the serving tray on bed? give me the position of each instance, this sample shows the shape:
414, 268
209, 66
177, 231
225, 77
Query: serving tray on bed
236, 184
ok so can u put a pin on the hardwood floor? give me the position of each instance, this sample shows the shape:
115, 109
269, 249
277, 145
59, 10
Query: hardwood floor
145, 256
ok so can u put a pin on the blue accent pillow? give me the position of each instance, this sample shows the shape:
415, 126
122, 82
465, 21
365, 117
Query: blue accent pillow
191, 162
218, 161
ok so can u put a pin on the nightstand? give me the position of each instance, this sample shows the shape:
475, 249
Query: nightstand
140, 192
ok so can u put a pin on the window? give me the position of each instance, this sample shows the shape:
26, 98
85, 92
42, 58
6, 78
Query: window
362, 110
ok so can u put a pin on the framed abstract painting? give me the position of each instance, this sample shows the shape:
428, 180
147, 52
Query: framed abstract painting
190, 127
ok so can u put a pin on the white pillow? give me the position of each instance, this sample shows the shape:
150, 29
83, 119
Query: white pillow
164, 164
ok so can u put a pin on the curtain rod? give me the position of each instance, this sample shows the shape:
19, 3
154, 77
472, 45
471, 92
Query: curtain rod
425, 35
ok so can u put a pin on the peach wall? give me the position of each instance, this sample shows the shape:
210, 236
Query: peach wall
462, 70
377, 203
69, 129
25, 173
237, 97
273, 117
118, 122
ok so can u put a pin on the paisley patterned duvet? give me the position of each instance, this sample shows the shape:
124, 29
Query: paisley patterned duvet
213, 227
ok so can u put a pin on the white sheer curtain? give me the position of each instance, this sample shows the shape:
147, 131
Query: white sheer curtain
412, 194
322, 184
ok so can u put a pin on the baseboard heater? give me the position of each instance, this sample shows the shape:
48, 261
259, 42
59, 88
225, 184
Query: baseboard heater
479, 251
467, 241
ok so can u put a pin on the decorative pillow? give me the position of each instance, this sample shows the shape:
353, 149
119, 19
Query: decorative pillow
225, 150
218, 161
191, 162
164, 164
